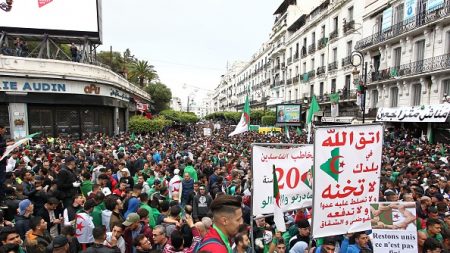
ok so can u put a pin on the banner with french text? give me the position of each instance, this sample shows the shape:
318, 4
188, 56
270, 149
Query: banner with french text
294, 167
394, 227
347, 161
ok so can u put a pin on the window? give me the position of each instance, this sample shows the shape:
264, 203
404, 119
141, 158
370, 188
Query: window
350, 13
416, 94
311, 90
313, 37
333, 85
322, 32
394, 97
305, 40
446, 88
296, 48
304, 67
374, 98
296, 94
278, 94
398, 17
321, 89
397, 56
420, 50
290, 73
346, 90
448, 42
335, 23
290, 52
349, 48
296, 70
335, 54
289, 97
322, 60
312, 64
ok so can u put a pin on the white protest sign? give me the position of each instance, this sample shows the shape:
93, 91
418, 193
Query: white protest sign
207, 131
347, 162
294, 172
394, 227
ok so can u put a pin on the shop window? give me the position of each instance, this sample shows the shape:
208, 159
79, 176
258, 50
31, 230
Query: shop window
394, 97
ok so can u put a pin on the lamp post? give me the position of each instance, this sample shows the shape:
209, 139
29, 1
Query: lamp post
6, 6
357, 59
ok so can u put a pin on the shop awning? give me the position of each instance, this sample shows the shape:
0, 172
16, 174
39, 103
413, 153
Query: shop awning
422, 113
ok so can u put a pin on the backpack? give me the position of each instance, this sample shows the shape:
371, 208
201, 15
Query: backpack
206, 242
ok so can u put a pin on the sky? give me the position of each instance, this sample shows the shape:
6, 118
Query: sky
188, 41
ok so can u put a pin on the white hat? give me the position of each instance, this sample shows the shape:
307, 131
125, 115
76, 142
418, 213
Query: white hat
176, 171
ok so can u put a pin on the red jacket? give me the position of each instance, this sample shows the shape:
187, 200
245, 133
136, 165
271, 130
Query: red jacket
213, 247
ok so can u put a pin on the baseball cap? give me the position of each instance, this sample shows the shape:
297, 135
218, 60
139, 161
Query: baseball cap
60, 241
131, 218
23, 205
69, 159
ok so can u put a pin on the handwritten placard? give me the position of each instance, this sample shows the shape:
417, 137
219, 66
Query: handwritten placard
422, 113
347, 165
294, 166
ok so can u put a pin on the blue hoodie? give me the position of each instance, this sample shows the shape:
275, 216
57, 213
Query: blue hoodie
133, 205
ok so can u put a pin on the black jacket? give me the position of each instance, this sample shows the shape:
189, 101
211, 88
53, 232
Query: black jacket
22, 225
46, 216
100, 248
64, 180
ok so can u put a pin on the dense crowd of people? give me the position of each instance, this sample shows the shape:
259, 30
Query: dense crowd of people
176, 192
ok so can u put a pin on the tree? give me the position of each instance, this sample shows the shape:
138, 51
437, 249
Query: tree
112, 59
141, 70
160, 94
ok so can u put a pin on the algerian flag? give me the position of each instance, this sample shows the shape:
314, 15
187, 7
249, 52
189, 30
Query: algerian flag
307, 177
286, 129
133, 136
443, 151
299, 132
10, 148
313, 108
244, 123
331, 166
278, 216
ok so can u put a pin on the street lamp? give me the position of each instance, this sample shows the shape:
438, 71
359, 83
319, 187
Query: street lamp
357, 59
7, 5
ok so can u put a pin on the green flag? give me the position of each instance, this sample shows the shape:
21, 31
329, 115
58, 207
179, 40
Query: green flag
443, 151
299, 132
331, 166
313, 108
286, 129
307, 177
334, 98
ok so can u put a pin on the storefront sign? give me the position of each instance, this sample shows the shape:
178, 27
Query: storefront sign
410, 9
338, 119
387, 19
434, 5
424, 113
21, 85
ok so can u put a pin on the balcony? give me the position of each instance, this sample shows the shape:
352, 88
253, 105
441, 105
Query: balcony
283, 65
303, 53
418, 21
349, 26
347, 61
333, 66
289, 60
312, 48
306, 77
289, 81
320, 70
428, 65
334, 34
322, 43
295, 79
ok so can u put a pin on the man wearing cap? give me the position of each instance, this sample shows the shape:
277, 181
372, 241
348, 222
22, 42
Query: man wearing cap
60, 244
26, 209
132, 230
175, 183
227, 215
52, 215
66, 181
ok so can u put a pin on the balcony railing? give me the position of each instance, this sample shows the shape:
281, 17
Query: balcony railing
346, 61
296, 57
306, 77
420, 20
441, 62
312, 48
320, 70
348, 26
334, 34
289, 60
303, 53
322, 43
333, 66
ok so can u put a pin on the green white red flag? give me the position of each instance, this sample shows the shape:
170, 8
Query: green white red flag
278, 216
244, 123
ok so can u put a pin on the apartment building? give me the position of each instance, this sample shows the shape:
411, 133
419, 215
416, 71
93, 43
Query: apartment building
407, 43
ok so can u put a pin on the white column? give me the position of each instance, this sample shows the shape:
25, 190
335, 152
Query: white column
116, 121
18, 120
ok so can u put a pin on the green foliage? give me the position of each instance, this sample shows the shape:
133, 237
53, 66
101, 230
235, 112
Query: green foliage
161, 96
270, 113
221, 116
268, 120
140, 124
112, 59
141, 70
180, 117
255, 116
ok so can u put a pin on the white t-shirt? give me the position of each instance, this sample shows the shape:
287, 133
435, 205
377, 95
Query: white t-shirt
120, 242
